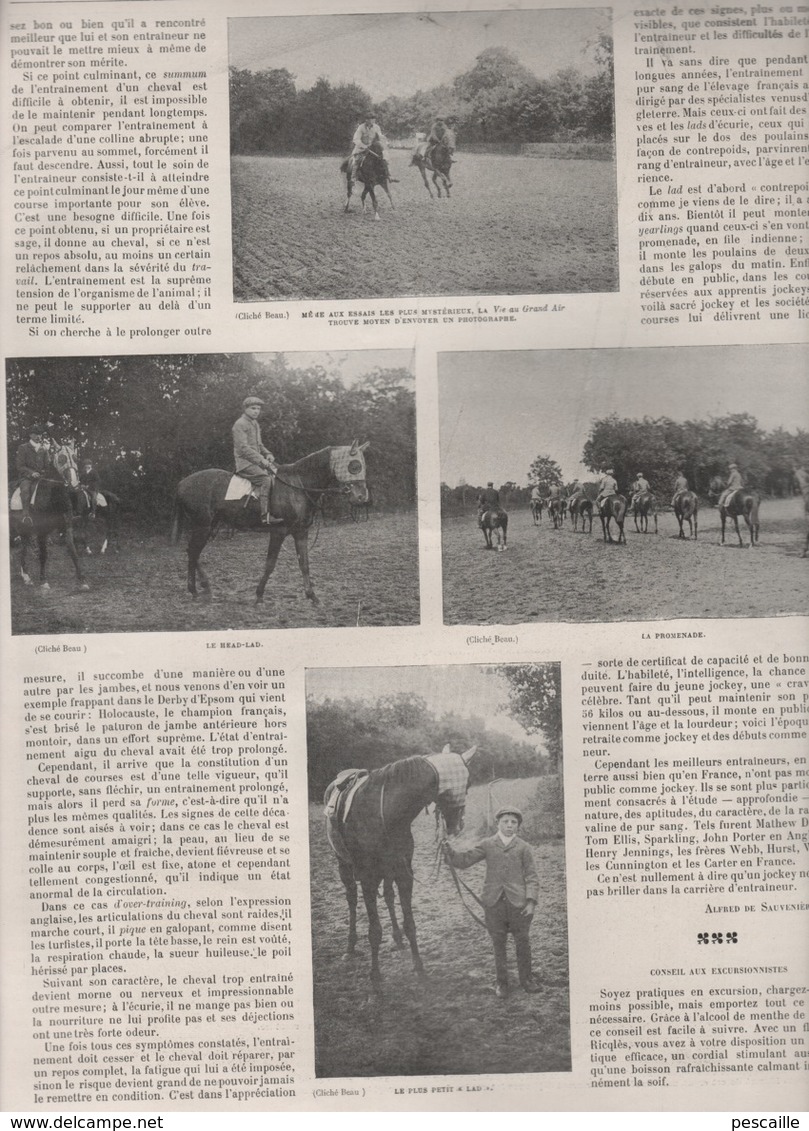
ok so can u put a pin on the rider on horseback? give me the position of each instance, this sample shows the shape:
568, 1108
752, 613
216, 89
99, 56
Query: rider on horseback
639, 488
488, 499
441, 133
735, 483
680, 486
607, 487
253, 460
366, 133
90, 484
31, 462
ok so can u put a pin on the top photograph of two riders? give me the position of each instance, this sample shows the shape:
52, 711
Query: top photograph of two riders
445, 153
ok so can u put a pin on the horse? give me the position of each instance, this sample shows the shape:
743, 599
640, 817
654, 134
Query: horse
686, 505
51, 511
556, 513
108, 509
370, 172
494, 521
537, 507
741, 504
613, 507
202, 504
580, 506
368, 825
439, 163
643, 505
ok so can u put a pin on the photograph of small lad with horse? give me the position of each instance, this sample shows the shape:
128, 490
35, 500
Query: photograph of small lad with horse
634, 484
482, 140
440, 789
233, 458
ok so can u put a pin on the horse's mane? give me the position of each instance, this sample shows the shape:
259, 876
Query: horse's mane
405, 771
314, 461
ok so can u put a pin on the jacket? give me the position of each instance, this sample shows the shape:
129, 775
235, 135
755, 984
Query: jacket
510, 870
247, 446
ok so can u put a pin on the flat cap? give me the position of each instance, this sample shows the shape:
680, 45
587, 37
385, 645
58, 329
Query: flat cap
248, 401
509, 810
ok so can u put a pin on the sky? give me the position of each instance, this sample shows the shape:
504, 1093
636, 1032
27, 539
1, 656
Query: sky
347, 364
465, 689
401, 53
500, 410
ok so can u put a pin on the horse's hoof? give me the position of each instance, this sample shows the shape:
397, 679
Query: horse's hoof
84, 587
44, 586
349, 956
311, 597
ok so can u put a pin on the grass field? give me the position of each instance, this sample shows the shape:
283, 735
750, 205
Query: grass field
512, 226
453, 1024
559, 575
364, 574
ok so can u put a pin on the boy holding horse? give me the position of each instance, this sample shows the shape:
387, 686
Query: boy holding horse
510, 894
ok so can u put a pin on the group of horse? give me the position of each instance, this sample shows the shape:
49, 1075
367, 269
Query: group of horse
204, 502
371, 172
644, 510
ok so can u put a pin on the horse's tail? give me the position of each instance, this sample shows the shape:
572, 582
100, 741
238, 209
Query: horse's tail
755, 501
178, 514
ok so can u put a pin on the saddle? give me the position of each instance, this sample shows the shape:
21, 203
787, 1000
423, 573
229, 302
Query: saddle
240, 488
337, 805
15, 503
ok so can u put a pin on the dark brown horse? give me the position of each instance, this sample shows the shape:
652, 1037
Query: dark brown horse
370, 171
741, 504
201, 506
686, 506
368, 823
439, 161
580, 506
537, 507
613, 508
644, 507
108, 509
494, 524
51, 512
556, 512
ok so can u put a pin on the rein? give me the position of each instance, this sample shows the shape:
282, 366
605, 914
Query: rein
460, 885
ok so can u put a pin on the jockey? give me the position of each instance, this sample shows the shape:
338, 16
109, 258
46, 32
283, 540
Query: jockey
536, 494
488, 499
441, 133
735, 483
639, 488
608, 486
574, 490
31, 462
680, 485
89, 482
253, 460
366, 133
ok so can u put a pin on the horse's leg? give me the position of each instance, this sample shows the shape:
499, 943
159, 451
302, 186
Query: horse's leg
603, 526
302, 550
277, 536
738, 532
387, 193
390, 900
374, 201
679, 518
722, 517
404, 882
369, 893
42, 543
437, 184
349, 190
423, 172
197, 541
350, 885
25, 542
74, 557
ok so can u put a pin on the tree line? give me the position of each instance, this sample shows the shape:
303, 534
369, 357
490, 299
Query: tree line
146, 422
497, 100
344, 733
661, 448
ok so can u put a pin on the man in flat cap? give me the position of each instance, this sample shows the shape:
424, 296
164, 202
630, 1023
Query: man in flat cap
510, 893
253, 460
31, 462
735, 483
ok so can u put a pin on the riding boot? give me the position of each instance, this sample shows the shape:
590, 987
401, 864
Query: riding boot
264, 499
26, 490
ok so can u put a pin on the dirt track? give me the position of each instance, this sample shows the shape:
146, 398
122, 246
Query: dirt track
558, 575
364, 574
514, 225
454, 1024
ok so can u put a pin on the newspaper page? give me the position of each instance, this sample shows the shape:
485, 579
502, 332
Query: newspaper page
405, 659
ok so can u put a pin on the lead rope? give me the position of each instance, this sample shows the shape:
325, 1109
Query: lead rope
456, 879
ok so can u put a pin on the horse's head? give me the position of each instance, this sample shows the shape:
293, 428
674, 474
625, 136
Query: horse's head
715, 488
348, 468
63, 458
453, 782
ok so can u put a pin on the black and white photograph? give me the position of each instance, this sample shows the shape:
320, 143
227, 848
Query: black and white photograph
624, 484
388, 155
439, 914
195, 492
